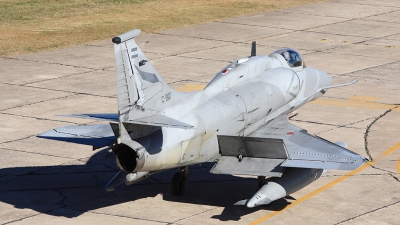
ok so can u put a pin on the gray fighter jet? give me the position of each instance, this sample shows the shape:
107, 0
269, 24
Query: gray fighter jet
239, 121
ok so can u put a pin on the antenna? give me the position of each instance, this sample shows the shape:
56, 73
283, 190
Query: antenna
253, 48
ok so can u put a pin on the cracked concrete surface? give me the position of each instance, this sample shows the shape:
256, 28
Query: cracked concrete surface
366, 133
49, 182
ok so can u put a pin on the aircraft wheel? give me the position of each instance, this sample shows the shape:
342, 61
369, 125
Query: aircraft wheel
178, 184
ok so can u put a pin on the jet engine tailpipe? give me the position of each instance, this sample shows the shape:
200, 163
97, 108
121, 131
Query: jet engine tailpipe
127, 159
292, 180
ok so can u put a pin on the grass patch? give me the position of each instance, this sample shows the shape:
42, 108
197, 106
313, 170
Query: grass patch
29, 26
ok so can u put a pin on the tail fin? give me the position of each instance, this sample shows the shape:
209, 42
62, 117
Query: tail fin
141, 92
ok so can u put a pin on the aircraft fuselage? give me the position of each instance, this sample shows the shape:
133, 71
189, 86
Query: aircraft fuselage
239, 100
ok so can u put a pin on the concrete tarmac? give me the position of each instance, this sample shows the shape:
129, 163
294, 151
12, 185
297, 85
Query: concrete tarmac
48, 182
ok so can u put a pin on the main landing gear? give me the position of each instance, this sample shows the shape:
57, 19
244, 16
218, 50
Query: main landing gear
178, 183
261, 181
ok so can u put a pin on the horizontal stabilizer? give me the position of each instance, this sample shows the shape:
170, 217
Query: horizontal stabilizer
156, 120
112, 117
98, 135
161, 121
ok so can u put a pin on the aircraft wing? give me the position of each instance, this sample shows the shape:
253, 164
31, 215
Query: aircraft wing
280, 144
154, 120
98, 135
112, 117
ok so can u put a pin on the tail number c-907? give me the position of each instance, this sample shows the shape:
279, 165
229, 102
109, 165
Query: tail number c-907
166, 97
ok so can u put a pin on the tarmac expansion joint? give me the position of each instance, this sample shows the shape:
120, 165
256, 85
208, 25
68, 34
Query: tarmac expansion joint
366, 213
369, 128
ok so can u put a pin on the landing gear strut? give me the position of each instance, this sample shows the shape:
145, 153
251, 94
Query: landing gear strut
261, 181
178, 183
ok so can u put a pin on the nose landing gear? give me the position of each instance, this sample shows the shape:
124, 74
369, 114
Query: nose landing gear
178, 183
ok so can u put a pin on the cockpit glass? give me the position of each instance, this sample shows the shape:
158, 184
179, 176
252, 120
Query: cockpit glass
292, 57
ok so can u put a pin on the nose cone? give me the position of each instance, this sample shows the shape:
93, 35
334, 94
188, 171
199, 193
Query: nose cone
267, 193
257, 200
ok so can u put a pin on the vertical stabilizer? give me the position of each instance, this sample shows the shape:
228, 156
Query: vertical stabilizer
141, 92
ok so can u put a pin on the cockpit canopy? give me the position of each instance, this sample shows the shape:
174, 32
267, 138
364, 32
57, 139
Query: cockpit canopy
292, 57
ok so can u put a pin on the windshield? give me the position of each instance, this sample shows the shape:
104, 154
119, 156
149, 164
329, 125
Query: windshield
292, 57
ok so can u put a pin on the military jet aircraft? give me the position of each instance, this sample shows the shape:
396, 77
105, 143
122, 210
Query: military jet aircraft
239, 121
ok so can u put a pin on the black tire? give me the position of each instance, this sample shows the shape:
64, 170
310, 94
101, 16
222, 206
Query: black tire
178, 184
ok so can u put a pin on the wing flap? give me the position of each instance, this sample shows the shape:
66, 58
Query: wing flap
98, 135
252, 147
250, 156
248, 166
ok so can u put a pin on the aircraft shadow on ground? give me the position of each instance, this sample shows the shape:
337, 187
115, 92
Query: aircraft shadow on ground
81, 188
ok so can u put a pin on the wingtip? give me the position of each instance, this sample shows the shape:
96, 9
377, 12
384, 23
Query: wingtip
47, 134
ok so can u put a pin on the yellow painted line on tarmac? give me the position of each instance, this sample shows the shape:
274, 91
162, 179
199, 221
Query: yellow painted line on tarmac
391, 150
323, 188
312, 194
